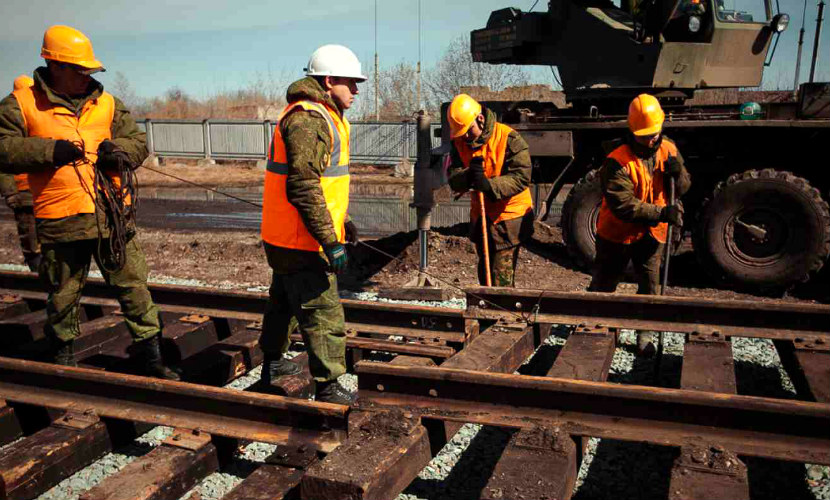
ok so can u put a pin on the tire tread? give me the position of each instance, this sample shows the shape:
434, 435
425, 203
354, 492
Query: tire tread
698, 236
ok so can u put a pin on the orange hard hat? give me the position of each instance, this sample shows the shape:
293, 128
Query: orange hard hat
68, 45
23, 81
461, 114
645, 116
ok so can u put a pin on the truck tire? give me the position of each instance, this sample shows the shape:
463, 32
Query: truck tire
764, 229
579, 219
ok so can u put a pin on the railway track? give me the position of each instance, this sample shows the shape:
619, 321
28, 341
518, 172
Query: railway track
441, 369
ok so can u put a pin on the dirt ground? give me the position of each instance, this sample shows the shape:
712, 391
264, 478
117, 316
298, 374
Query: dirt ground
235, 259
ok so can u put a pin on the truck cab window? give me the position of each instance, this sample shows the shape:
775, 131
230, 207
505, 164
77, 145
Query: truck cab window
741, 11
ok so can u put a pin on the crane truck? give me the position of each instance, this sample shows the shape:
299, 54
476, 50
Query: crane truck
757, 211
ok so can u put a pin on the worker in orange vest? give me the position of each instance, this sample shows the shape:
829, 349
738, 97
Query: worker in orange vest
305, 222
15, 189
491, 158
59, 131
634, 216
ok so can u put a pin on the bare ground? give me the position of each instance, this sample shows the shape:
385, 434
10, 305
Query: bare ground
235, 259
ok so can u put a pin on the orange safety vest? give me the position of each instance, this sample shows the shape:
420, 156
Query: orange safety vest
282, 225
493, 153
647, 189
22, 181
66, 190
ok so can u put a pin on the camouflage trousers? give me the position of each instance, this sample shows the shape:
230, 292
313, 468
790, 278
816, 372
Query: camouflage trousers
64, 270
612, 259
27, 233
502, 266
24, 215
307, 300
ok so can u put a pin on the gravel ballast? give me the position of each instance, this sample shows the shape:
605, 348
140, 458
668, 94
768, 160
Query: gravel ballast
611, 469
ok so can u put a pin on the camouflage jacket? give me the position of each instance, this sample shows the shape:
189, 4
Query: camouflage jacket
307, 146
14, 198
8, 187
514, 178
618, 188
20, 153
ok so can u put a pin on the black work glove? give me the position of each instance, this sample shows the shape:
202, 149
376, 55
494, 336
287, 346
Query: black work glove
337, 257
478, 180
65, 152
673, 214
672, 167
352, 235
109, 155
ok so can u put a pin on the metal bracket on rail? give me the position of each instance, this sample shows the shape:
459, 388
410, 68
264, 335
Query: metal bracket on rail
598, 330
186, 439
711, 459
714, 337
77, 420
196, 319
812, 343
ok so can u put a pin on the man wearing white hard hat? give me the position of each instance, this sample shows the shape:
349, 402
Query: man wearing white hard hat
305, 222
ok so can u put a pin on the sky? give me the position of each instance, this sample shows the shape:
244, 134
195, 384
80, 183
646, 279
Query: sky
209, 46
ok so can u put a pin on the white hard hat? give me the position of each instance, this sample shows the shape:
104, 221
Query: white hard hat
335, 60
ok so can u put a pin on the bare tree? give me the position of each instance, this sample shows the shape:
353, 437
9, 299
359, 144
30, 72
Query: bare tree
777, 79
456, 69
267, 91
398, 92
122, 89
363, 108
175, 103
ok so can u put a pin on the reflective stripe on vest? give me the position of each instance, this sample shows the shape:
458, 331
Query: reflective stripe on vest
493, 153
647, 189
282, 225
65, 191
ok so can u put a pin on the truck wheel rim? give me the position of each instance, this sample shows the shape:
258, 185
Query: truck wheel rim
754, 249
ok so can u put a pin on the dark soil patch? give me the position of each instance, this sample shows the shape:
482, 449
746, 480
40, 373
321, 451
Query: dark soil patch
236, 259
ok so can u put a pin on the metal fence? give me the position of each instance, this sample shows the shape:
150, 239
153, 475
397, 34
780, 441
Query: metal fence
382, 216
376, 143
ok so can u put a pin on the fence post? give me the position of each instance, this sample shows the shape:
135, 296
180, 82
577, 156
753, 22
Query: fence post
267, 142
206, 140
405, 141
148, 127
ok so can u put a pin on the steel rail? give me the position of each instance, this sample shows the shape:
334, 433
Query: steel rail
780, 429
222, 412
738, 318
807, 322
247, 306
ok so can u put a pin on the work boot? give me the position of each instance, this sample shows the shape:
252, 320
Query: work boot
148, 354
645, 344
333, 392
63, 353
274, 368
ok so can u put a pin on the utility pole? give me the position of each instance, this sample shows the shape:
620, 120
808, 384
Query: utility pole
818, 38
377, 86
418, 70
800, 45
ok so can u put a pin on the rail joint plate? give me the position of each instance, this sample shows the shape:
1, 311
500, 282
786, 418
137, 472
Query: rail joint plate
77, 420
191, 440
